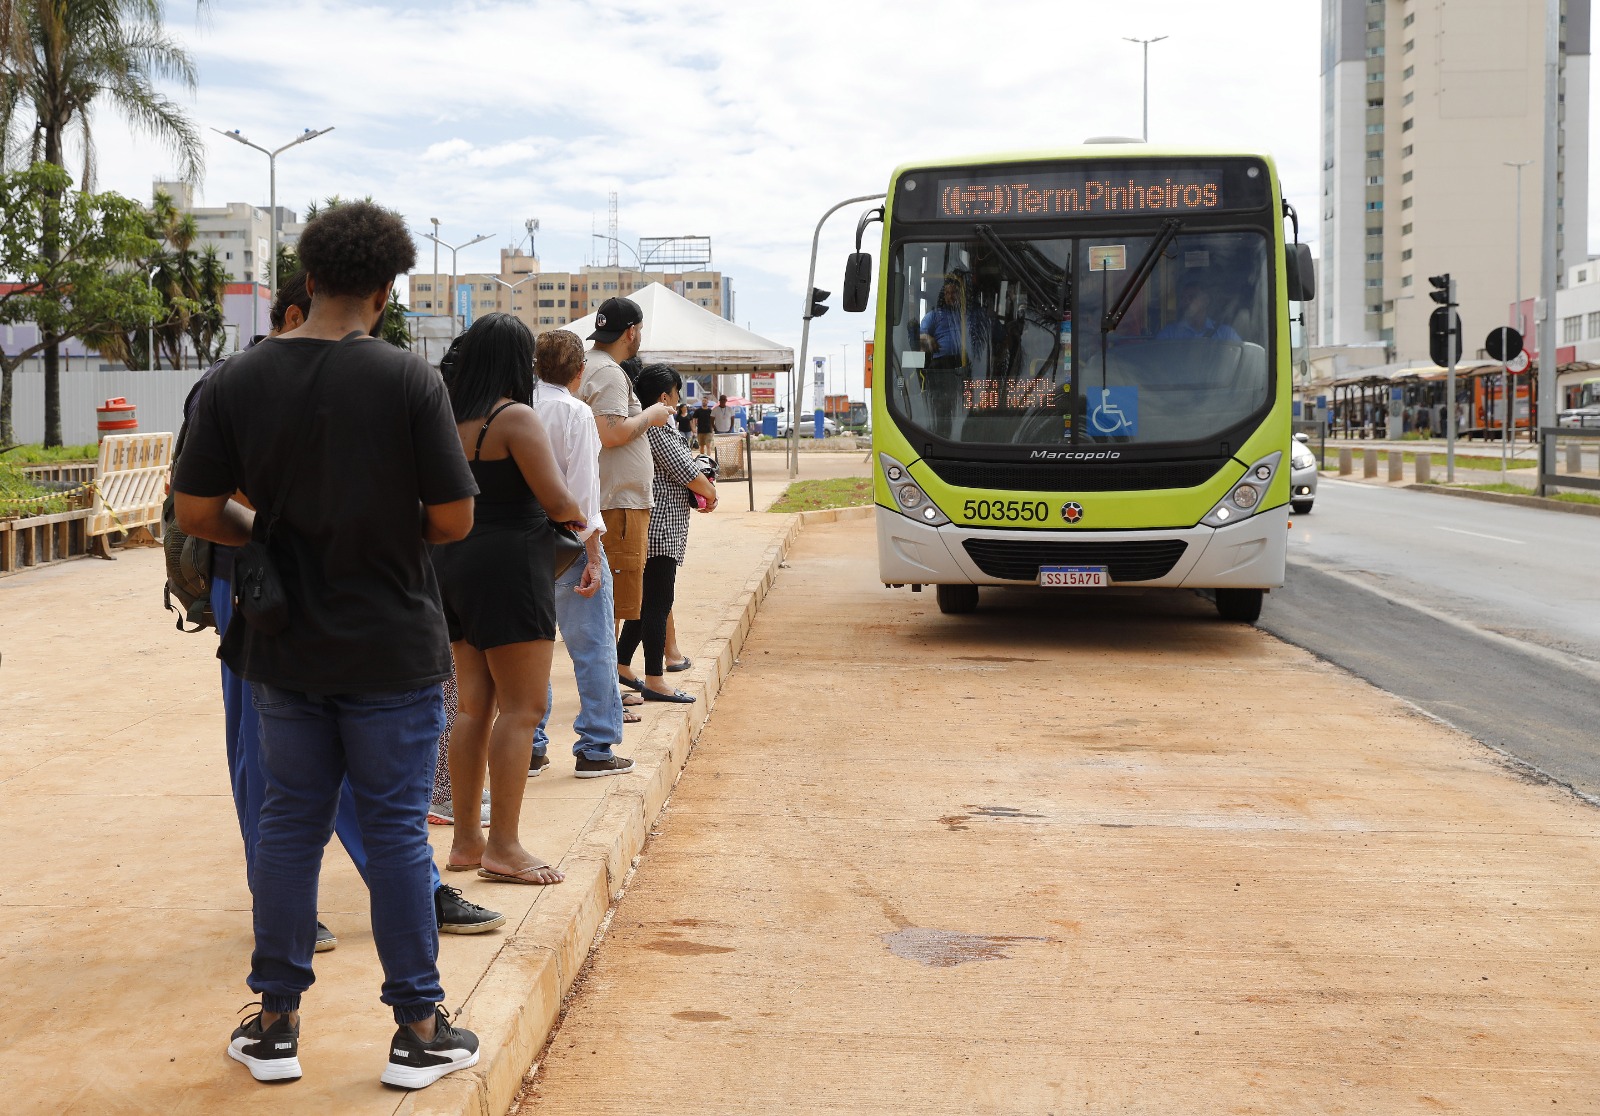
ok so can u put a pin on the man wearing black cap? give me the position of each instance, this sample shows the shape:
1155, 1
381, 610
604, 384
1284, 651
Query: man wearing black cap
625, 466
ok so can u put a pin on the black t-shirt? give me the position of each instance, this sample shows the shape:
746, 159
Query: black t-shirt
382, 442
685, 422
702, 419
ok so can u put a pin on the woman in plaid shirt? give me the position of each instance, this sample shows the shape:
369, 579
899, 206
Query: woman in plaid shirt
677, 475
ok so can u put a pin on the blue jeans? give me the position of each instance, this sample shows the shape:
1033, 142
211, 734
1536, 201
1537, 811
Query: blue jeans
383, 744
243, 730
588, 628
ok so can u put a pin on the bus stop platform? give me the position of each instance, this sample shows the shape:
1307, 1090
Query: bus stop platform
125, 930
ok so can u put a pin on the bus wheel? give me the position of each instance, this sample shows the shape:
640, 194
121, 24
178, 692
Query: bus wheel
956, 599
1242, 606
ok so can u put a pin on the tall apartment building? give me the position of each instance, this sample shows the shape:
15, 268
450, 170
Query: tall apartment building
550, 299
1423, 104
240, 232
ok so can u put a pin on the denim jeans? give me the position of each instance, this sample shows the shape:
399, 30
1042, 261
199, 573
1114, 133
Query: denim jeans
242, 728
384, 745
588, 628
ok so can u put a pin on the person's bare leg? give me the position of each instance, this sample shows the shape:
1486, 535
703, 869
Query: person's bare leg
469, 751
521, 673
674, 655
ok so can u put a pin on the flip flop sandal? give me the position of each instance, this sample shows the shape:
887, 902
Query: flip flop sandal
519, 878
463, 867
687, 662
630, 718
676, 696
631, 698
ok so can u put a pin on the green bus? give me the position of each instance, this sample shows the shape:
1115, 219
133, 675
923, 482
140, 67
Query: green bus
1084, 373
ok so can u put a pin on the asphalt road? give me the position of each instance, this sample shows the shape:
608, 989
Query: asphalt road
1484, 615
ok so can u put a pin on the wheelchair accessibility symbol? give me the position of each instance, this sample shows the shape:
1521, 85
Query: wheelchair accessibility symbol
1116, 411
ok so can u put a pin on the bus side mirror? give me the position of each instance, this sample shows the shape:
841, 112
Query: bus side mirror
857, 282
1301, 272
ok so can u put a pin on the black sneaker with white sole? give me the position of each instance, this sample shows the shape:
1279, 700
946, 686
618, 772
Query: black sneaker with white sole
596, 769
326, 939
414, 1064
537, 763
459, 915
270, 1053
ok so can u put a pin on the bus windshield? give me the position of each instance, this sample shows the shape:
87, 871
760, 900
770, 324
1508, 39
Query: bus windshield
1001, 339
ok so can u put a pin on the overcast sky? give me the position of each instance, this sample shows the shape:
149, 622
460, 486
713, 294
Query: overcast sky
742, 120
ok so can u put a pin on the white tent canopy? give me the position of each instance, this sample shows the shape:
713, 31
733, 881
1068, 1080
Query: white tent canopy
694, 340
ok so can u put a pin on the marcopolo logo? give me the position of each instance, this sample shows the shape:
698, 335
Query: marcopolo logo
1072, 511
1074, 455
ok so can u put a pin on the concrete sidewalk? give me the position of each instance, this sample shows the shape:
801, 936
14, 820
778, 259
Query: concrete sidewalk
124, 912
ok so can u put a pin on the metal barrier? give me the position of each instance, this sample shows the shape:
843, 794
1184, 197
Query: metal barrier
1551, 436
131, 482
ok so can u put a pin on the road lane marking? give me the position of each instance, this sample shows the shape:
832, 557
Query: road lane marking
1477, 535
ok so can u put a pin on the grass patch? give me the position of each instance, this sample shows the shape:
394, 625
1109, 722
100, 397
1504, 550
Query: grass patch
815, 495
38, 455
21, 499
1518, 490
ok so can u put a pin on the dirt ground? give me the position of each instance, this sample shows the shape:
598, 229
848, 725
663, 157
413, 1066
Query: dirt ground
1086, 855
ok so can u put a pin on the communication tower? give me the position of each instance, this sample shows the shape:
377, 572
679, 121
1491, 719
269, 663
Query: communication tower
611, 234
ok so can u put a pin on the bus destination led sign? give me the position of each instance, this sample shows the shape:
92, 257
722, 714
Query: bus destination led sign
1069, 194
1079, 191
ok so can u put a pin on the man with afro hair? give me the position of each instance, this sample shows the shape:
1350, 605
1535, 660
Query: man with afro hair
347, 452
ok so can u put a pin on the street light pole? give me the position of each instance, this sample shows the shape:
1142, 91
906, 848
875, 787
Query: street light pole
272, 186
1146, 44
454, 248
150, 356
1507, 425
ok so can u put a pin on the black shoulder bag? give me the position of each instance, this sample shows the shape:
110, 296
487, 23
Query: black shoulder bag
258, 592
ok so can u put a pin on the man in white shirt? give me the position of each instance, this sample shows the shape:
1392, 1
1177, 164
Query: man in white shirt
722, 416
584, 607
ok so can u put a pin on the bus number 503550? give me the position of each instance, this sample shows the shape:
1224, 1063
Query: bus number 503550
1006, 511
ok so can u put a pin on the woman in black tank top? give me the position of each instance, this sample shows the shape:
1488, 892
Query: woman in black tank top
498, 587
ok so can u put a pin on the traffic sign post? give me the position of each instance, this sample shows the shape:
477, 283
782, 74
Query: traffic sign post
1502, 344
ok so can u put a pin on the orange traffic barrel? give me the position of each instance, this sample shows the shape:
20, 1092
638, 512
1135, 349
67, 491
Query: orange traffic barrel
117, 416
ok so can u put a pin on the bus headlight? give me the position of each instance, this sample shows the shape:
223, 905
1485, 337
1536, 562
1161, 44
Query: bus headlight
1244, 500
908, 494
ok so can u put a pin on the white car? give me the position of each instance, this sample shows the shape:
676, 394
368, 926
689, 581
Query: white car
808, 426
1581, 418
1302, 475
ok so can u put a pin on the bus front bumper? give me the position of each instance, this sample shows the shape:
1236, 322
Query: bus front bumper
1246, 555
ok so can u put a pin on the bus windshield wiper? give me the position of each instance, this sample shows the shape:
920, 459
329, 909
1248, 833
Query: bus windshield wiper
1130, 291
1141, 273
1024, 270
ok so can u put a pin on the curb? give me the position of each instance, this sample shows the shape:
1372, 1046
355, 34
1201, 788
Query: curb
516, 1004
1509, 498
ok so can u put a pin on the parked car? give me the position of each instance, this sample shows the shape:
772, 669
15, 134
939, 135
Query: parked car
1302, 475
808, 426
1582, 418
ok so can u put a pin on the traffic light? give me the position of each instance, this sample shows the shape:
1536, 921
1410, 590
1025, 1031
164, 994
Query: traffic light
1444, 291
1444, 324
819, 302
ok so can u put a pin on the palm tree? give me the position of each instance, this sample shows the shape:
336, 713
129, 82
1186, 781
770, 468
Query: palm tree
57, 58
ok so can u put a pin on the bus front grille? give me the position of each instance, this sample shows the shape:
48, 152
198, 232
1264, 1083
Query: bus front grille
1025, 476
1020, 559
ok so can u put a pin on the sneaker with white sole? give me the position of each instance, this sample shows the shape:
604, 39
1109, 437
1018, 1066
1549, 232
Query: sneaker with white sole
456, 914
270, 1053
326, 939
597, 769
537, 763
414, 1064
